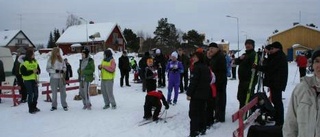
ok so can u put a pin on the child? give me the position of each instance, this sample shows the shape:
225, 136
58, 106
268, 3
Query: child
153, 98
107, 68
150, 75
85, 73
174, 68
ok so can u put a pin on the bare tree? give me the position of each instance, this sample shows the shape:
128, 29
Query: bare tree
141, 34
72, 20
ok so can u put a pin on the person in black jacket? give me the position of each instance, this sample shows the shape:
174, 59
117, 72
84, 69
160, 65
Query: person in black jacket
219, 68
2, 75
19, 80
69, 70
142, 69
198, 93
184, 78
153, 99
276, 77
124, 66
160, 63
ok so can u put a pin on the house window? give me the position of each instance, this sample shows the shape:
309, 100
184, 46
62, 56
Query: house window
19, 41
115, 38
73, 49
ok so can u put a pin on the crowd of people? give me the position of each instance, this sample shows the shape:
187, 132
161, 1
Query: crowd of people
205, 87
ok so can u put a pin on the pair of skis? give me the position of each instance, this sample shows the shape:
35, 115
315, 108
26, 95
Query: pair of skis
260, 74
145, 122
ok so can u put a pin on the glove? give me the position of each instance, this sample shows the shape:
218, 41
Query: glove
167, 107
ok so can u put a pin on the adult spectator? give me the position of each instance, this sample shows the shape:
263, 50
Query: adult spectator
184, 77
124, 66
160, 64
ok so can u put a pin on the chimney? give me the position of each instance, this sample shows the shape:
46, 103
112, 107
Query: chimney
91, 22
295, 23
222, 40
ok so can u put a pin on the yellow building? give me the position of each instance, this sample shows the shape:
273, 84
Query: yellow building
297, 39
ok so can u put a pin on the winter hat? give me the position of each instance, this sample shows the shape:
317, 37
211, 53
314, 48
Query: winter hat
158, 51
200, 50
249, 41
146, 54
268, 47
174, 54
215, 45
86, 52
108, 53
276, 45
315, 54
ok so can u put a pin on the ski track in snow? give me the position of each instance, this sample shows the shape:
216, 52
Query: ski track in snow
121, 122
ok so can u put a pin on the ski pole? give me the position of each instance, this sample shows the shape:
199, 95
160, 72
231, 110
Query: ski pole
165, 116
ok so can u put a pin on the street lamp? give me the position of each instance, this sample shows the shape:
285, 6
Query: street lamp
86, 29
237, 29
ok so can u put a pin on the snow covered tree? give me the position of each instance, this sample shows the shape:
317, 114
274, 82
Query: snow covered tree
132, 40
72, 20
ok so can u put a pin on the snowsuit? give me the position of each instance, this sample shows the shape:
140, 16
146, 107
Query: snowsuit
302, 118
57, 82
200, 91
85, 72
174, 69
31, 82
108, 67
153, 99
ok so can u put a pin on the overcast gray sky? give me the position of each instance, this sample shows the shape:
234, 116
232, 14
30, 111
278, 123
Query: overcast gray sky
257, 18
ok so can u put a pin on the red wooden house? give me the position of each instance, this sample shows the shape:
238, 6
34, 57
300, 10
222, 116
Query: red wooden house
96, 37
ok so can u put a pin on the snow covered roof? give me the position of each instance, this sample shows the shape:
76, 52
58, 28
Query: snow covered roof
76, 45
299, 25
7, 36
78, 33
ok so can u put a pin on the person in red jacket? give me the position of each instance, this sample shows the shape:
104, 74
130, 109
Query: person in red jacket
302, 62
153, 99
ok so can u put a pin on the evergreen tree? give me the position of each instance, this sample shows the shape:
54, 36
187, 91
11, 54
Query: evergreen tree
193, 38
50, 42
166, 34
132, 40
56, 35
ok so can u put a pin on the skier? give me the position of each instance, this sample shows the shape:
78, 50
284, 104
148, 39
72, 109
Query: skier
56, 68
153, 99
85, 72
174, 68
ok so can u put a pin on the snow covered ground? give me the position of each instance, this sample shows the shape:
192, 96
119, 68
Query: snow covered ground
121, 122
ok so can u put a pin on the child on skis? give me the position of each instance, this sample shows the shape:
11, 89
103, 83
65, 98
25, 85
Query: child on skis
153, 99
174, 69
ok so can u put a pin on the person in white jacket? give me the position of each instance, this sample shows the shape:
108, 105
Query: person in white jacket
303, 116
56, 68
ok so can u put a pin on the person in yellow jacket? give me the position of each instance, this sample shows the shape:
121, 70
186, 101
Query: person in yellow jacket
30, 70
107, 68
